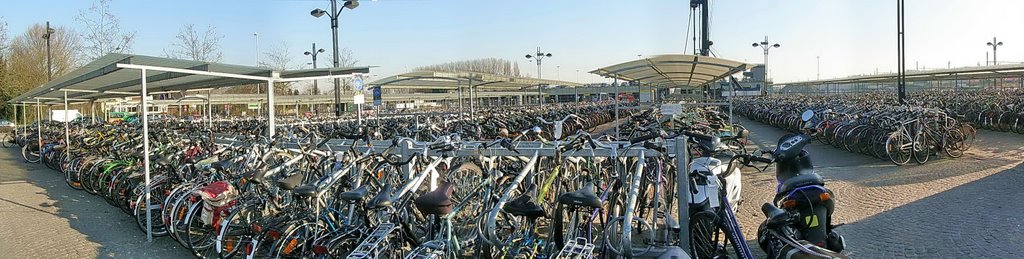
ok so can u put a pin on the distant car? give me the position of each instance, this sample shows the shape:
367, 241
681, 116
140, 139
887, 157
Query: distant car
6, 123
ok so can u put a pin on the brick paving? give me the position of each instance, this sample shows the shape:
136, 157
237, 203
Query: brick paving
41, 217
952, 208
969, 207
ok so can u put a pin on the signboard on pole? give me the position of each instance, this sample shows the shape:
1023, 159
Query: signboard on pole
376, 96
254, 106
671, 109
359, 99
358, 83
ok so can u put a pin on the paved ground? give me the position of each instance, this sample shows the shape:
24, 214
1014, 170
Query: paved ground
965, 208
41, 217
971, 207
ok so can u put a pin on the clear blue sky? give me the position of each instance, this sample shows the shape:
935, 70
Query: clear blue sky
852, 37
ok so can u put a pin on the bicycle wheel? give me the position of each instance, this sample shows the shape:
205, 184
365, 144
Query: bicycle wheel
969, 134
30, 153
954, 144
922, 149
898, 147
296, 241
8, 141
704, 234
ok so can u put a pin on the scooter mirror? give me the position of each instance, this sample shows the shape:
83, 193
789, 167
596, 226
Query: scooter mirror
808, 114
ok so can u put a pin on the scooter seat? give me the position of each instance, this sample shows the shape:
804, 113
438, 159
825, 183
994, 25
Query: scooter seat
437, 202
800, 180
524, 206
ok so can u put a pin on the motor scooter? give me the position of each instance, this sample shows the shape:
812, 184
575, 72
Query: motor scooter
798, 221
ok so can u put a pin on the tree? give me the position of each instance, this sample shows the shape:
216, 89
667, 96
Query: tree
345, 59
103, 32
495, 66
279, 58
25, 61
195, 45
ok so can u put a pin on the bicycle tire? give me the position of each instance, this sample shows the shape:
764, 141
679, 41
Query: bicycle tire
896, 148
921, 149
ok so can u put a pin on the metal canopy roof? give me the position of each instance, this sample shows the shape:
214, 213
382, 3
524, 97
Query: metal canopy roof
962, 73
103, 78
674, 70
325, 98
452, 81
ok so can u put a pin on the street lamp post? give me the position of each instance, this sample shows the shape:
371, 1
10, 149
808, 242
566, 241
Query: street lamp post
49, 62
350, 4
995, 45
538, 56
766, 45
313, 54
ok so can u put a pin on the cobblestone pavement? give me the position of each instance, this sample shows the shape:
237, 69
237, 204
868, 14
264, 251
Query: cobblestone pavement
969, 207
964, 208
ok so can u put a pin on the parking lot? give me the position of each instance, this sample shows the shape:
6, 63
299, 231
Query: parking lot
967, 207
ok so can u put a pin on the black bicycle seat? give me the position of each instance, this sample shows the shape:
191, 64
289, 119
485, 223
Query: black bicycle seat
583, 197
221, 165
305, 191
524, 206
800, 180
289, 183
437, 202
354, 195
165, 160
382, 200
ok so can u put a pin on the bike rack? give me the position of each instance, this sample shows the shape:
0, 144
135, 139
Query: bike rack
676, 147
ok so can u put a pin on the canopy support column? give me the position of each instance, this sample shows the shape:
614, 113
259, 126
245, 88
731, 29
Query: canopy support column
615, 82
15, 119
145, 157
472, 110
271, 126
209, 109
39, 128
92, 111
460, 100
67, 128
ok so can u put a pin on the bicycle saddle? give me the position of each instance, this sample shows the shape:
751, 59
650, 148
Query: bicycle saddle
583, 197
524, 205
289, 182
221, 165
305, 191
354, 195
382, 200
437, 202
800, 180
165, 160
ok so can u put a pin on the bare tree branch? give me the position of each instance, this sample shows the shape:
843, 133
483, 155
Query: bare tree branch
279, 57
486, 65
194, 45
103, 32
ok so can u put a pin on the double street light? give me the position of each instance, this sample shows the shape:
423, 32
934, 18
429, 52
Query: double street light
538, 56
995, 45
333, 14
313, 53
766, 46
